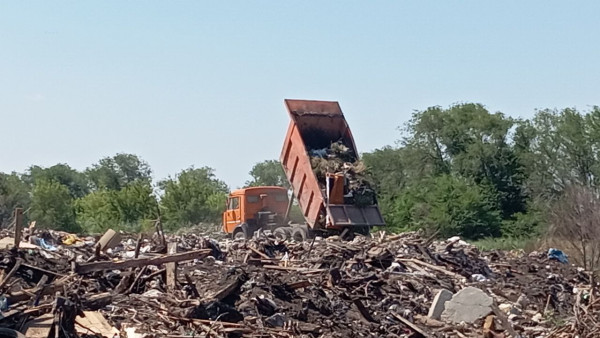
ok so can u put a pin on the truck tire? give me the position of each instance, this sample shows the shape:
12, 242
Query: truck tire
299, 234
282, 233
242, 231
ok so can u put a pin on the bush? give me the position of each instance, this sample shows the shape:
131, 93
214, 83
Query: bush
132, 208
448, 205
194, 196
52, 206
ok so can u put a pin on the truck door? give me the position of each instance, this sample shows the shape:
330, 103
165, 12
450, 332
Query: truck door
233, 214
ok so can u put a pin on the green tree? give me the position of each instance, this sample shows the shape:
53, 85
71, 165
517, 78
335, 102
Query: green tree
98, 211
193, 196
448, 205
14, 192
74, 180
386, 168
388, 171
52, 206
559, 149
268, 173
129, 208
469, 141
137, 202
114, 173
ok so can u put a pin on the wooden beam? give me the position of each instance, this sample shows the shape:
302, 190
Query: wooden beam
259, 253
412, 326
227, 290
291, 268
18, 226
40, 270
26, 294
138, 245
300, 284
11, 273
171, 267
433, 267
100, 266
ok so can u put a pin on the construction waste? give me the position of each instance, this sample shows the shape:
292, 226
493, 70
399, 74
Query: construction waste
189, 285
340, 159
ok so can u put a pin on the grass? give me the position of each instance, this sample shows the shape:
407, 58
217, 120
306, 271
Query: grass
506, 243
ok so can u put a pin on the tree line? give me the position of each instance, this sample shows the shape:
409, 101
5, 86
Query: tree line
467, 171
117, 192
461, 170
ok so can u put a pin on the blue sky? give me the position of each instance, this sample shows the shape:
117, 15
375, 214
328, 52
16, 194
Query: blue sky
184, 83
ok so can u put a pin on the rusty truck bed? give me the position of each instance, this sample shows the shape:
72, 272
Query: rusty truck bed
316, 125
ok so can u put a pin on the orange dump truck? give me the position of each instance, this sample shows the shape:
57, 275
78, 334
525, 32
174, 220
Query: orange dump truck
314, 125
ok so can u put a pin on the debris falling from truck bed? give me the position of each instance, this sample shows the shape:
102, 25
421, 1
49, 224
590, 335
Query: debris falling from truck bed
340, 159
370, 287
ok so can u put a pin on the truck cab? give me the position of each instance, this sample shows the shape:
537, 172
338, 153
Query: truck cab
252, 208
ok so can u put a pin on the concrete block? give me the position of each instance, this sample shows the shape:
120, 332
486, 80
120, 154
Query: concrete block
438, 304
109, 240
468, 305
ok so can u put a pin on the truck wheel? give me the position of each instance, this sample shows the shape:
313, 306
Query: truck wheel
241, 232
299, 234
282, 233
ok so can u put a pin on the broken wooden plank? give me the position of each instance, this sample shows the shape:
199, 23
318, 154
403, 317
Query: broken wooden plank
300, 284
171, 267
433, 267
98, 301
125, 283
14, 269
96, 323
137, 278
192, 285
412, 326
138, 246
259, 253
27, 294
291, 268
39, 288
9, 242
226, 290
43, 271
100, 266
39, 327
18, 226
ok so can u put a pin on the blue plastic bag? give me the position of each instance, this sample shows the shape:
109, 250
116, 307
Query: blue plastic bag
558, 255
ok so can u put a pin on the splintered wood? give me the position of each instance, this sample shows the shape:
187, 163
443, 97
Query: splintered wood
190, 285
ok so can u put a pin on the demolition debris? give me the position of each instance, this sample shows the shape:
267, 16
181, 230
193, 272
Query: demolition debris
192, 286
338, 159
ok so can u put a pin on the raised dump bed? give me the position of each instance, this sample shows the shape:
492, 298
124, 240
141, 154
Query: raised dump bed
316, 125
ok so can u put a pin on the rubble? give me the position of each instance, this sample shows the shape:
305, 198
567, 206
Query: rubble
468, 305
439, 304
189, 285
339, 159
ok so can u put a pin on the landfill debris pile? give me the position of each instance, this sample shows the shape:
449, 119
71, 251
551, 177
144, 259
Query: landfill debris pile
340, 159
189, 285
